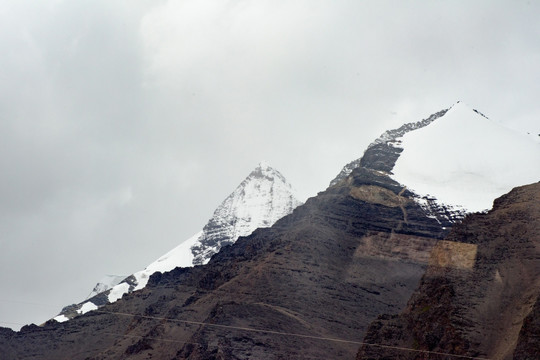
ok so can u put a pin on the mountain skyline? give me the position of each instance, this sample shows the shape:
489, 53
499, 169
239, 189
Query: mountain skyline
264, 171
124, 123
320, 275
358, 247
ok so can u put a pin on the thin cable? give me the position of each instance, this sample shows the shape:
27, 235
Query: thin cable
264, 331
191, 322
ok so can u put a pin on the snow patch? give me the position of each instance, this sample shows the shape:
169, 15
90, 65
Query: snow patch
87, 306
118, 291
61, 318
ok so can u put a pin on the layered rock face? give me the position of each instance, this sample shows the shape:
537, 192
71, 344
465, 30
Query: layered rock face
381, 155
319, 274
479, 296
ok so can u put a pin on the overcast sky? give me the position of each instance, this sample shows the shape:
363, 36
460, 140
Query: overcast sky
123, 124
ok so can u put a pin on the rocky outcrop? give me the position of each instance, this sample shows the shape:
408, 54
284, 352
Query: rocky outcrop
108, 282
381, 156
479, 296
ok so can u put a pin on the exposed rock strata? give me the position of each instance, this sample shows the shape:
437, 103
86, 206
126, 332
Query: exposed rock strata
381, 156
480, 294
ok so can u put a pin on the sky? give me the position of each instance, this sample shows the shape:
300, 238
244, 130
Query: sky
125, 123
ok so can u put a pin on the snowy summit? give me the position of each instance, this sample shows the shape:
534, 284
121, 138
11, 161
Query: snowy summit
259, 201
463, 158
455, 161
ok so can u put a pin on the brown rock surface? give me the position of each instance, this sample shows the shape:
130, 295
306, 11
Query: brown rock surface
478, 292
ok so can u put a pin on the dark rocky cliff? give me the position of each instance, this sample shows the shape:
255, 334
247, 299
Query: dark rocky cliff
381, 156
480, 294
325, 271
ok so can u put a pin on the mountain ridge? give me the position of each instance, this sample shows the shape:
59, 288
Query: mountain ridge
325, 271
434, 159
262, 198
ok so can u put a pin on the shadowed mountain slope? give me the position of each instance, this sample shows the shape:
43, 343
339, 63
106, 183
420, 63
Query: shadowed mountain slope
480, 294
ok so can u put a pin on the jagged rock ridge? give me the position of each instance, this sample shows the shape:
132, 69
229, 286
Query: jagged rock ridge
381, 154
454, 161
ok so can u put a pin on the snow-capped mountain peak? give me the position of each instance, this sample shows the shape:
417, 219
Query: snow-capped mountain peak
382, 153
264, 165
457, 160
259, 201
464, 158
